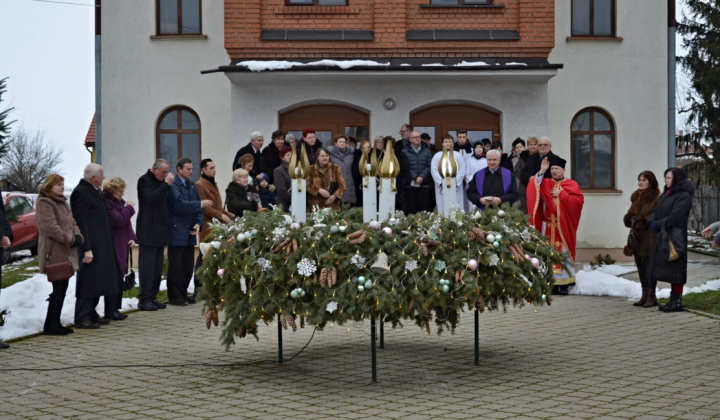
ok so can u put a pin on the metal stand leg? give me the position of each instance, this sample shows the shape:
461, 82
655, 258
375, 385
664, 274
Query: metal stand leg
477, 337
382, 334
280, 352
372, 349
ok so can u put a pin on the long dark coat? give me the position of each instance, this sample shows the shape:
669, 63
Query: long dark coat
283, 182
102, 275
674, 211
636, 218
184, 211
56, 230
237, 201
120, 216
270, 160
152, 219
249, 149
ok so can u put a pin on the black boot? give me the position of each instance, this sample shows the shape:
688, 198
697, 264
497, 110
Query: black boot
674, 305
52, 320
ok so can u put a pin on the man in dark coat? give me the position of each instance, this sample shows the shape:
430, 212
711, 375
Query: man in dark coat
252, 148
496, 185
271, 155
99, 273
6, 234
532, 166
416, 179
152, 226
185, 210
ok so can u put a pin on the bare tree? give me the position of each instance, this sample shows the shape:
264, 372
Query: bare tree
29, 160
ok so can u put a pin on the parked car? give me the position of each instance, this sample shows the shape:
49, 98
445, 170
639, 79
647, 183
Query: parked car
25, 228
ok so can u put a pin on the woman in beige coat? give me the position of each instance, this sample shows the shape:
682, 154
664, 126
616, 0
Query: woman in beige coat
58, 234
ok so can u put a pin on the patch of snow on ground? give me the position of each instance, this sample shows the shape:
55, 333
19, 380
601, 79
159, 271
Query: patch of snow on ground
26, 301
616, 270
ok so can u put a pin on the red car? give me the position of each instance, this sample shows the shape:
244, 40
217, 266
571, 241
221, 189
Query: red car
25, 228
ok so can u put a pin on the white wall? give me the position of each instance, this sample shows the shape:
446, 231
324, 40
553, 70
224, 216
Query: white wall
520, 97
141, 77
627, 79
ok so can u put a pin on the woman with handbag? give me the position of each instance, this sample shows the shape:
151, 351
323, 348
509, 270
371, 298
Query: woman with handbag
124, 238
58, 235
668, 261
641, 237
325, 184
240, 196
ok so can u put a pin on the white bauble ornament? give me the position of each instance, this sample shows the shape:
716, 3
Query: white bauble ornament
241, 237
361, 288
254, 232
295, 225
496, 244
527, 257
216, 244
498, 237
361, 279
501, 213
368, 285
535, 262
387, 230
294, 294
472, 265
342, 229
445, 288
490, 238
221, 272
374, 224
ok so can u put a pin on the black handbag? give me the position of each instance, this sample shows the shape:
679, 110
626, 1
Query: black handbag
130, 276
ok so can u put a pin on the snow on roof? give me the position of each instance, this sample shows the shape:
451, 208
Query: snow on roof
284, 65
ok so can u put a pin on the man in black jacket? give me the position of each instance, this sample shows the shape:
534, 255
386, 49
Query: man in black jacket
252, 148
152, 228
99, 273
492, 185
532, 166
7, 237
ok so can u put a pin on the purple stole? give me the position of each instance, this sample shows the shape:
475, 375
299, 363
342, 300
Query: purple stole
480, 181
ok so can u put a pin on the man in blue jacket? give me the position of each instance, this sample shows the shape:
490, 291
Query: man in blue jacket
185, 211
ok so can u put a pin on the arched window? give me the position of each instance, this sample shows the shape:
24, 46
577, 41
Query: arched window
177, 136
593, 149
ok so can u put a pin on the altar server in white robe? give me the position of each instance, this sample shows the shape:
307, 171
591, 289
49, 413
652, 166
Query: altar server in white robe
474, 163
448, 142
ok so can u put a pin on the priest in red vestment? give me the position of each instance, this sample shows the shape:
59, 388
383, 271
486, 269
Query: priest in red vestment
554, 207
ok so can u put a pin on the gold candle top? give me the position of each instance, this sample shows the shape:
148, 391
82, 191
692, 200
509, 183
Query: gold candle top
448, 167
299, 168
368, 159
390, 167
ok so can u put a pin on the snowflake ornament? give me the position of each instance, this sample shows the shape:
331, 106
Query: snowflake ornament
358, 261
263, 263
494, 260
243, 284
280, 233
306, 267
525, 235
331, 307
440, 265
411, 265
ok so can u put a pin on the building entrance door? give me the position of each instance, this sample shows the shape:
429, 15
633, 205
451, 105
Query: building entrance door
439, 120
328, 121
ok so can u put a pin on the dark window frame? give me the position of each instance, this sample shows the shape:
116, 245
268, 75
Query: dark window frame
591, 133
179, 20
179, 131
591, 23
314, 3
464, 3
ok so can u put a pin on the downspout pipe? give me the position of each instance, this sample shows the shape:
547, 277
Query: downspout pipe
97, 154
672, 25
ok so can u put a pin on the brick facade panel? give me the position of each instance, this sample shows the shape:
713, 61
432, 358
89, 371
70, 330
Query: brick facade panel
389, 20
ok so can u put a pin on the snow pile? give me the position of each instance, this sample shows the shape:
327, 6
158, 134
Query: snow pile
26, 301
471, 64
254, 65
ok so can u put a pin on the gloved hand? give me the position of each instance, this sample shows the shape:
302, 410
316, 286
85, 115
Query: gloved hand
78, 240
655, 226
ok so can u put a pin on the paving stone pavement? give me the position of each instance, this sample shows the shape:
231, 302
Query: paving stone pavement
582, 357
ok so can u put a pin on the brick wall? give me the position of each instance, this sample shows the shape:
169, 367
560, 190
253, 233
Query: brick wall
389, 20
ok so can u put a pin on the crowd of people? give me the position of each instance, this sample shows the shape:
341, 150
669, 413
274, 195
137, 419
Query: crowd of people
95, 235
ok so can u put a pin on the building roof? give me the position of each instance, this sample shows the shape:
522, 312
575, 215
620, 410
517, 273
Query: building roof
389, 64
90, 137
